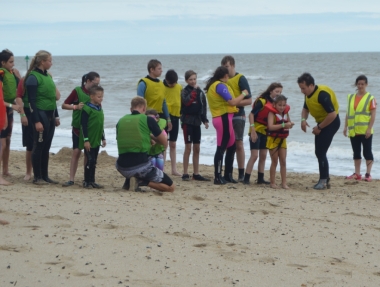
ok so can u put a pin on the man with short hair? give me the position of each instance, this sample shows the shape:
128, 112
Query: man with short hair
322, 104
238, 83
133, 161
153, 91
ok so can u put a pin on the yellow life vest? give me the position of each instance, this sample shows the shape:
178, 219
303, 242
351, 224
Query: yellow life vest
358, 120
234, 84
315, 108
154, 94
218, 105
173, 99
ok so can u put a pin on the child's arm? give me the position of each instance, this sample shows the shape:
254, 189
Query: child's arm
275, 127
84, 127
204, 110
104, 143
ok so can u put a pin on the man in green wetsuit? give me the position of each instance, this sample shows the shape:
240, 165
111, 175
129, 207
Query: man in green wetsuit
133, 161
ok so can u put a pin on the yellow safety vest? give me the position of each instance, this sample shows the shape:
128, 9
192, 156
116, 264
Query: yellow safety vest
315, 108
234, 84
218, 105
154, 94
173, 99
358, 120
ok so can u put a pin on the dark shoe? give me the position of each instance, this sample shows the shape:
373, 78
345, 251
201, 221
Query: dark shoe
328, 185
87, 184
185, 177
199, 177
241, 179
48, 180
229, 179
247, 182
68, 183
262, 181
95, 185
126, 184
219, 180
320, 186
40, 181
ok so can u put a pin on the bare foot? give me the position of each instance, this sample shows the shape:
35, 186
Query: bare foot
3, 222
285, 186
4, 182
176, 173
27, 177
273, 185
6, 173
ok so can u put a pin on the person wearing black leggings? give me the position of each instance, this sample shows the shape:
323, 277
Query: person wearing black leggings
42, 99
322, 104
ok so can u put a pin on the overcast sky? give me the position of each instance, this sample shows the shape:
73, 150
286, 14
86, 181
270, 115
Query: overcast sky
125, 27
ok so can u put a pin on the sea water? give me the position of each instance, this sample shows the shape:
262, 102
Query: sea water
120, 75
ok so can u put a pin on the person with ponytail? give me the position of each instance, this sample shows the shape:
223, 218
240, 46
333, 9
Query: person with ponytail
75, 102
258, 121
222, 105
9, 78
42, 96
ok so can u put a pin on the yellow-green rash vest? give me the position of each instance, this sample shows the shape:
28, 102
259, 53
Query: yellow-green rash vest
358, 120
154, 94
45, 100
218, 105
234, 84
82, 98
9, 86
158, 148
315, 108
173, 99
133, 134
95, 127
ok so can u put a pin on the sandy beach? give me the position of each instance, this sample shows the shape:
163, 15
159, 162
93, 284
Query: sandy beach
200, 235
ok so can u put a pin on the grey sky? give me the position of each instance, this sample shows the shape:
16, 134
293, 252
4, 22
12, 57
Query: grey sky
80, 27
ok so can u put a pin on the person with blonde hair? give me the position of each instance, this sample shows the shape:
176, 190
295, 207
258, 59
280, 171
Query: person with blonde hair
42, 99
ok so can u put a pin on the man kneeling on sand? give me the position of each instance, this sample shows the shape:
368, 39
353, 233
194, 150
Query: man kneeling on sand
134, 133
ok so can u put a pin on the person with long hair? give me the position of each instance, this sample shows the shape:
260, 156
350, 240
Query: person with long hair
9, 79
258, 121
42, 99
320, 102
222, 103
360, 117
75, 102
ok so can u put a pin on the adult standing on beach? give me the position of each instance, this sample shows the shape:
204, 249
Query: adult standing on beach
238, 83
360, 117
9, 78
222, 103
42, 94
75, 102
153, 91
322, 104
133, 161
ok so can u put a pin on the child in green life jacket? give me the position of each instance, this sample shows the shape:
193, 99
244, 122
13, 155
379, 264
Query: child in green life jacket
92, 134
156, 152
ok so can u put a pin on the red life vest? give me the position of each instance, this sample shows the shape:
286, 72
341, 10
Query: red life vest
262, 116
279, 119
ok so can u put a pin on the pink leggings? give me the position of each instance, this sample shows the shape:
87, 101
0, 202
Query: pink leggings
225, 135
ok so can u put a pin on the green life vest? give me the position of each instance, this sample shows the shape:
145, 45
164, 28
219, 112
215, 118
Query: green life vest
9, 86
45, 100
133, 134
95, 127
82, 98
158, 148
358, 120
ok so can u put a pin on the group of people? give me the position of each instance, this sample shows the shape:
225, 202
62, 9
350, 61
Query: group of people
161, 108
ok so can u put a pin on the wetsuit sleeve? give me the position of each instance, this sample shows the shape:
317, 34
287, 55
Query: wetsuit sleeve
103, 136
56, 113
72, 98
31, 87
141, 88
153, 126
305, 106
187, 98
222, 91
165, 109
324, 99
243, 85
257, 107
204, 108
84, 124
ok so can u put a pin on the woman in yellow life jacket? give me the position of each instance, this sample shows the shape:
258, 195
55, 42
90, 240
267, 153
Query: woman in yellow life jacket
222, 104
360, 117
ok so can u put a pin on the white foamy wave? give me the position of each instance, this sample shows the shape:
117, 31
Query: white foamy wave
260, 77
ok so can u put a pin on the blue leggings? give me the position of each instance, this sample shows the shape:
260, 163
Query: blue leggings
158, 161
